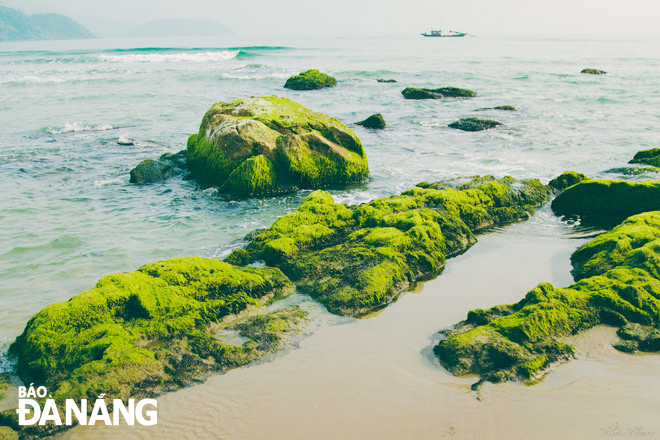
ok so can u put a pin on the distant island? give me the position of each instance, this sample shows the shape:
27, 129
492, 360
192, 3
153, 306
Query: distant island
16, 25
173, 27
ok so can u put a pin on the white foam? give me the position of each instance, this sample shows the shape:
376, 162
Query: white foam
189, 57
75, 127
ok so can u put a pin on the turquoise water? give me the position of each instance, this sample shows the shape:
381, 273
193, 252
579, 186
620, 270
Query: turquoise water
69, 216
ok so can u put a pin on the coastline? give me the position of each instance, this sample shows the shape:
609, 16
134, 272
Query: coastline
376, 377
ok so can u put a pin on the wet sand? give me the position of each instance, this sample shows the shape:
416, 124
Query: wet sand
376, 378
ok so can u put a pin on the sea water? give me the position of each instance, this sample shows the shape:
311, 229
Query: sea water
69, 216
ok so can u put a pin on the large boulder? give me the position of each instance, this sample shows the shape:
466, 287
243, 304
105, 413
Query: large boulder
268, 145
474, 124
310, 79
357, 259
374, 121
442, 92
606, 201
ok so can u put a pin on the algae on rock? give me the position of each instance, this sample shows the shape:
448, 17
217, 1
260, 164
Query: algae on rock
442, 92
356, 259
268, 145
310, 79
617, 284
149, 331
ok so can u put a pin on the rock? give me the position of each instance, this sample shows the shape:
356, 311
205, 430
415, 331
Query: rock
357, 259
157, 171
626, 346
593, 71
270, 145
381, 80
145, 332
124, 141
443, 92
632, 171
607, 202
374, 121
648, 157
566, 179
310, 80
474, 124
508, 108
522, 341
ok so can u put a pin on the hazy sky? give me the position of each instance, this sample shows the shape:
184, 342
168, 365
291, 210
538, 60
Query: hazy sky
379, 17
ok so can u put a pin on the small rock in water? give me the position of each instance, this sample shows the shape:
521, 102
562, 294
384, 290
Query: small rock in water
474, 124
310, 80
508, 108
442, 92
593, 71
374, 121
125, 141
381, 80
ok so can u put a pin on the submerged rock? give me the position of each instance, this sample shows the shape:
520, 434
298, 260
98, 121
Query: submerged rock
381, 80
310, 80
443, 92
566, 179
593, 71
145, 332
523, 340
156, 171
268, 145
508, 108
357, 259
374, 121
474, 124
607, 202
632, 171
648, 157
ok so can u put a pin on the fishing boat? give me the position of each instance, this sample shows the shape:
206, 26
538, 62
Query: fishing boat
439, 33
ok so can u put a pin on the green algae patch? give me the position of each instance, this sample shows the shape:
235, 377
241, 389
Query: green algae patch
269, 145
607, 201
566, 179
310, 79
149, 331
617, 285
357, 259
474, 124
647, 157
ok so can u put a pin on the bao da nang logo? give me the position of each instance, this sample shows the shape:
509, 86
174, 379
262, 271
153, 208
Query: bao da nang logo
30, 411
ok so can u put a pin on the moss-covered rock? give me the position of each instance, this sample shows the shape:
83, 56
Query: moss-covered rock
442, 92
591, 71
474, 124
375, 121
310, 80
152, 330
269, 145
647, 157
156, 171
356, 259
607, 202
523, 340
382, 80
566, 179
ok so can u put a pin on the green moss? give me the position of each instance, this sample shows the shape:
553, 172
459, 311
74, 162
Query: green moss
6, 433
357, 259
566, 179
618, 285
142, 332
607, 202
442, 92
286, 146
310, 80
474, 124
648, 157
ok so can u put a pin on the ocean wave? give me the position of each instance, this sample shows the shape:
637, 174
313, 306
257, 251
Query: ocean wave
160, 57
75, 127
